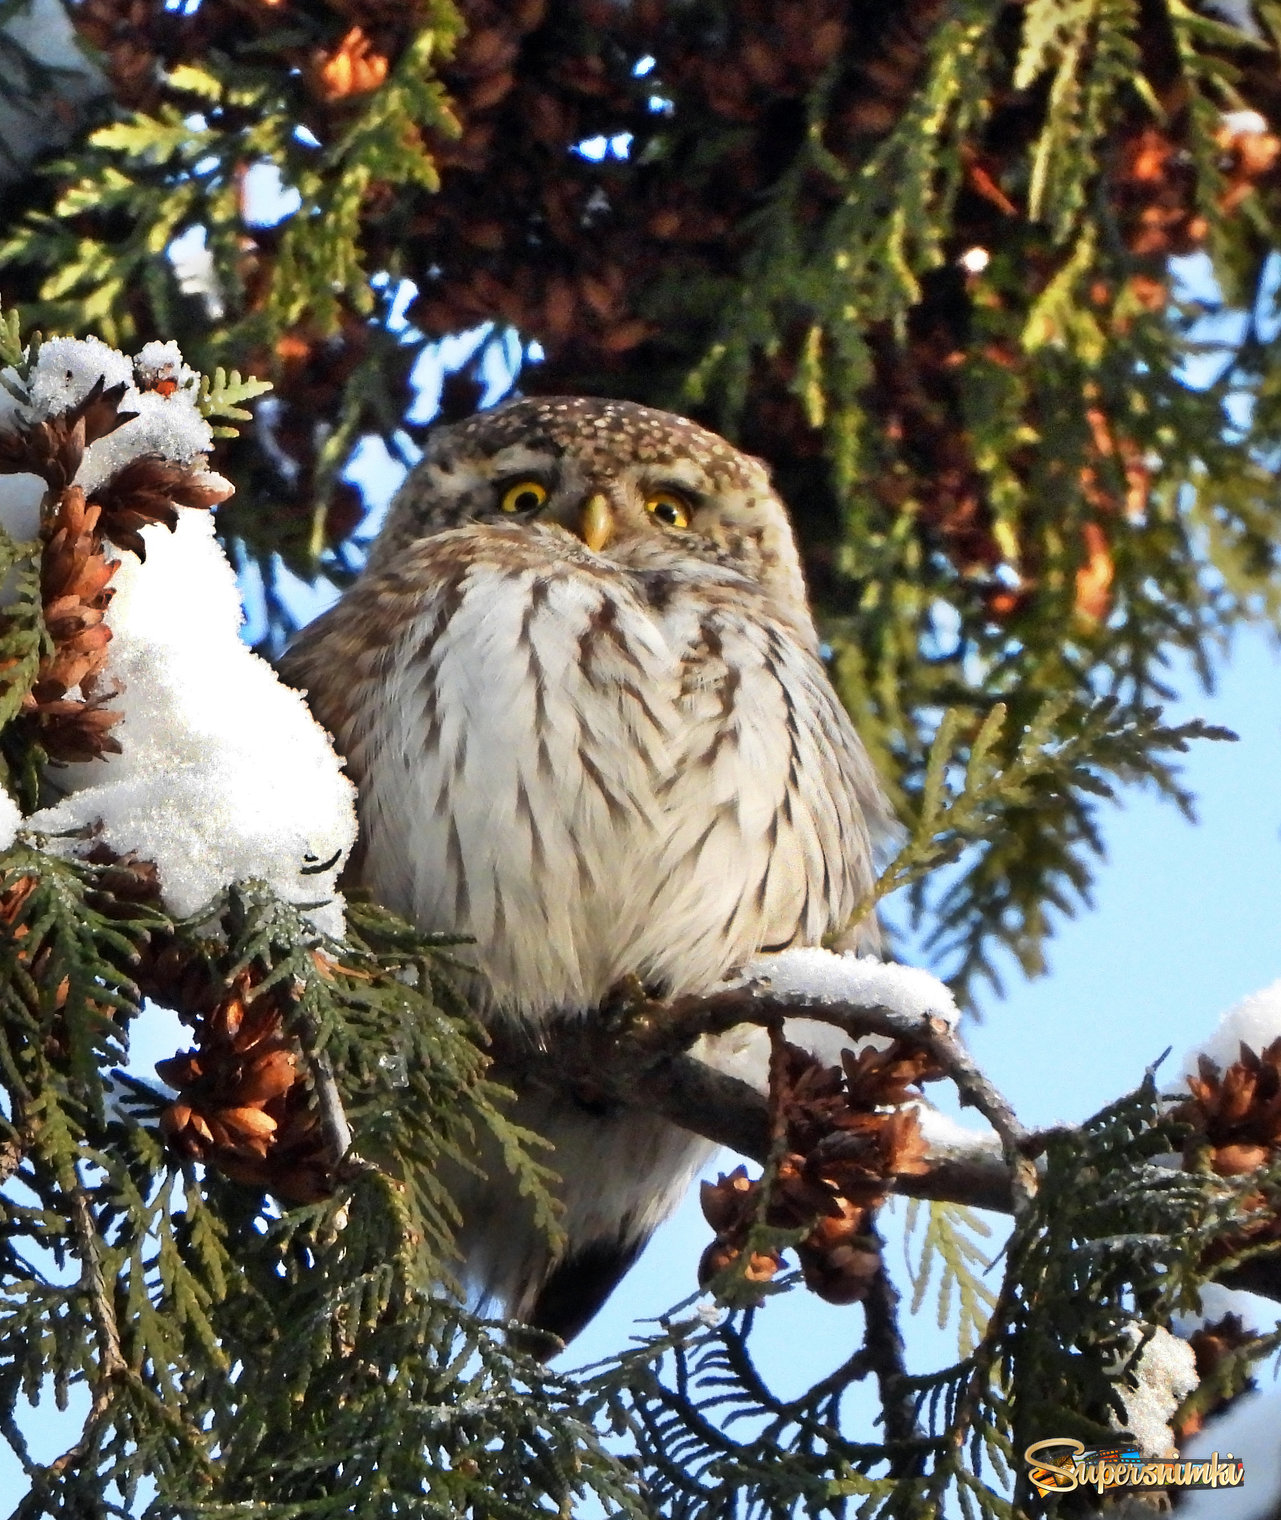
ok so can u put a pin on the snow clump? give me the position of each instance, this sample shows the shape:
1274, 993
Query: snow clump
224, 775
815, 976
1166, 1373
823, 976
1254, 1021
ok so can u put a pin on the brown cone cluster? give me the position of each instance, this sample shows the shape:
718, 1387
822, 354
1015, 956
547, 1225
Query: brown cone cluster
1155, 186
150, 490
67, 710
844, 1137
243, 1103
353, 67
1235, 1119
54, 447
1236, 1114
75, 580
75, 588
1210, 1344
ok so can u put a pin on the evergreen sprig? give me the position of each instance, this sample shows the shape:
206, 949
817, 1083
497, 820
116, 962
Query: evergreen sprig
221, 394
951, 1262
1019, 818
235, 1353
23, 639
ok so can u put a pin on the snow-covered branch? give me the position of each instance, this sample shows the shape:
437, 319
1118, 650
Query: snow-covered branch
175, 741
702, 1063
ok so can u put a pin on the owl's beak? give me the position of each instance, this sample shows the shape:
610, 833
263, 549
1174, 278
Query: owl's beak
596, 524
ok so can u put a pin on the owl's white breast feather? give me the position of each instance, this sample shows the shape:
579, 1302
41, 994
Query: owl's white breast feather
591, 770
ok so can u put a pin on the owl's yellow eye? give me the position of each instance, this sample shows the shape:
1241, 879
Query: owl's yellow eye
523, 496
669, 508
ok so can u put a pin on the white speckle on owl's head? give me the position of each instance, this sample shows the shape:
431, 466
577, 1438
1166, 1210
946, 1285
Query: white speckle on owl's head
716, 503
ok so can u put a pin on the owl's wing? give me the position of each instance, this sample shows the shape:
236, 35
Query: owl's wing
775, 807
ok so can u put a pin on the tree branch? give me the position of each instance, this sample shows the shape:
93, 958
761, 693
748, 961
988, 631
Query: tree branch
887, 1358
732, 1113
333, 1116
111, 1361
723, 1011
640, 1059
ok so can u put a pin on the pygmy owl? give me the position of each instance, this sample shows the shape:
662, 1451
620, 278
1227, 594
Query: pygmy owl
579, 689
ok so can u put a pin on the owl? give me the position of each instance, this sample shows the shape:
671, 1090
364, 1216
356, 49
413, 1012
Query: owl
579, 689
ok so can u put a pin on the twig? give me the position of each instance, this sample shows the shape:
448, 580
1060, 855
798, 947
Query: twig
730, 1112
724, 1011
640, 1059
333, 1117
111, 1361
886, 1358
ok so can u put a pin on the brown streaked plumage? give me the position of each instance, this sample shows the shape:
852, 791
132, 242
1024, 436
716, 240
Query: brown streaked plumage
595, 733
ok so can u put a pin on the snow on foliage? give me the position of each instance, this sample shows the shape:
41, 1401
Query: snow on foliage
224, 775
1166, 1373
10, 820
1254, 1021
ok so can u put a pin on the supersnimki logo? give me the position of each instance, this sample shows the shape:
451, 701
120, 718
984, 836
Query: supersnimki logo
1059, 1465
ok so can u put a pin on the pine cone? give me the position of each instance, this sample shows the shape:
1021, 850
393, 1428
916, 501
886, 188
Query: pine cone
149, 490
1236, 1113
243, 1102
74, 733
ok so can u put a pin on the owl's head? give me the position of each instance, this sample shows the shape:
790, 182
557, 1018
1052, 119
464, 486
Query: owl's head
625, 480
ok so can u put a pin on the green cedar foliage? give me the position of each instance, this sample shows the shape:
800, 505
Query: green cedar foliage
1113, 1241
241, 1358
